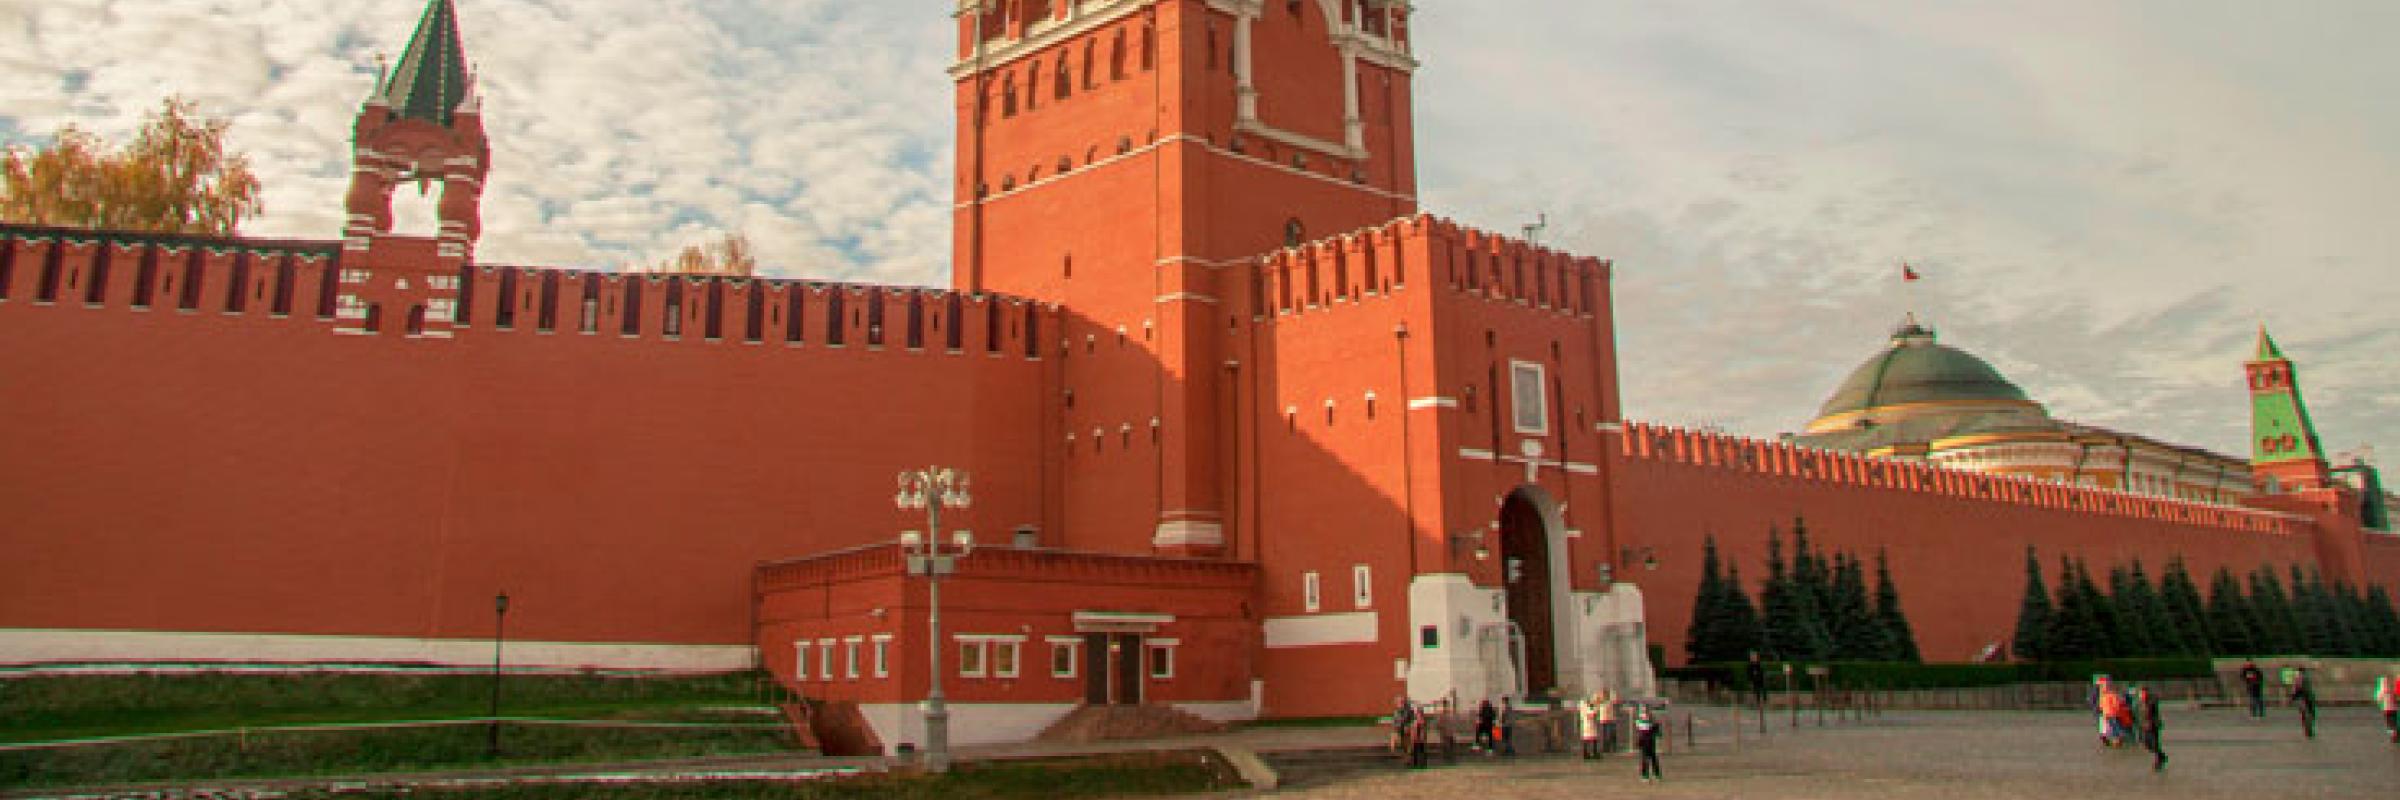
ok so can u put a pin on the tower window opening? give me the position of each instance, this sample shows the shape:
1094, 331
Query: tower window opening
793, 333
1033, 327
416, 320
714, 327
1091, 49
590, 323
916, 321
547, 320
991, 329
1065, 82
1149, 48
1212, 44
875, 302
834, 321
286, 273
1293, 232
1033, 85
508, 300
327, 287
630, 324
672, 318
95, 291
754, 313
374, 321
1116, 57
195, 271
237, 287
1008, 96
145, 279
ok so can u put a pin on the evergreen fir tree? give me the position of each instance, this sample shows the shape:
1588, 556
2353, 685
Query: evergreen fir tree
2075, 633
1788, 615
2233, 629
1811, 573
2107, 624
2271, 612
1900, 641
1742, 624
2182, 600
2034, 614
2358, 629
1849, 619
1711, 636
2385, 619
2145, 612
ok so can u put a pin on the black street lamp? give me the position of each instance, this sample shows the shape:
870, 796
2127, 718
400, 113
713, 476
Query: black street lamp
499, 634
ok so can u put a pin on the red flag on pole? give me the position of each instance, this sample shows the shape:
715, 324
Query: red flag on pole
1908, 273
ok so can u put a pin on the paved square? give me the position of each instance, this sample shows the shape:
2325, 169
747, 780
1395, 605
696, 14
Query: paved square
2045, 755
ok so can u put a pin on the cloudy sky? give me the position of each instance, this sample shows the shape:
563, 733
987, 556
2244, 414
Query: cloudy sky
2106, 198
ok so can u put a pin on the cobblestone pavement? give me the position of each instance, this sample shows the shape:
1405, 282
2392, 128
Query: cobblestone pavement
2045, 755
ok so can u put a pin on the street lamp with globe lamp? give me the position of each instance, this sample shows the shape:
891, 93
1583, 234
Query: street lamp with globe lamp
932, 489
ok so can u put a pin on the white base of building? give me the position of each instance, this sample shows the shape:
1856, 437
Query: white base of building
36, 646
976, 724
1461, 647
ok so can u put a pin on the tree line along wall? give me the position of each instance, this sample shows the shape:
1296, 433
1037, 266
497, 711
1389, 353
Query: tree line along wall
1956, 540
221, 467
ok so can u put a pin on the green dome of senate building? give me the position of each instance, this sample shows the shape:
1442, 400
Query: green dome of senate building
1918, 375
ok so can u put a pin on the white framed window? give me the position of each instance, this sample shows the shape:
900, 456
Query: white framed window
1004, 659
883, 656
1362, 587
970, 658
1161, 658
800, 664
1065, 655
825, 659
1311, 591
1528, 398
850, 657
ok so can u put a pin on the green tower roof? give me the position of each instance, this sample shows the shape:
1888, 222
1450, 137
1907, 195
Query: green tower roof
430, 81
2267, 351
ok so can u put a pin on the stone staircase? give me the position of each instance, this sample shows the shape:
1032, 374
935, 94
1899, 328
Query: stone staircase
1090, 723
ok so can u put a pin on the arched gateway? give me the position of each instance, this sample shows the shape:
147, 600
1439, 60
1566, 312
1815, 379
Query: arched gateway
1527, 545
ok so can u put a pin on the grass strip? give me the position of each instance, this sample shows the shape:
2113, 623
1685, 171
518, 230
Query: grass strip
371, 750
1137, 775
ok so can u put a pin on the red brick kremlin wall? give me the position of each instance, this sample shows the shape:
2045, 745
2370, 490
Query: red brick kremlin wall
1956, 540
223, 460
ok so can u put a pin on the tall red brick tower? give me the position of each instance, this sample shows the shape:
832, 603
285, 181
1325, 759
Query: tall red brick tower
1123, 158
423, 125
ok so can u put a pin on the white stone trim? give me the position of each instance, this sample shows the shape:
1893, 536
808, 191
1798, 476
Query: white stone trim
55, 645
1086, 16
1191, 297
971, 724
1120, 622
1422, 403
1475, 454
1319, 630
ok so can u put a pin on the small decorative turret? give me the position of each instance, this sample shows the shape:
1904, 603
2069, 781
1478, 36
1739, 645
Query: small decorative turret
2284, 451
421, 124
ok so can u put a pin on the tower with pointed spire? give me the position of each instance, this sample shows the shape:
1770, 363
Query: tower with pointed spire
422, 125
2284, 451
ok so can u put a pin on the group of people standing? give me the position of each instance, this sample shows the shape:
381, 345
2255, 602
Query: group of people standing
2304, 698
1600, 717
2130, 713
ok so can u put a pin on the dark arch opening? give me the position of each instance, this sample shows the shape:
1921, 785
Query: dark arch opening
1525, 550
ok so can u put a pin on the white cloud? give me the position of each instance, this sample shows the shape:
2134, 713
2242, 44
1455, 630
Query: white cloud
2106, 197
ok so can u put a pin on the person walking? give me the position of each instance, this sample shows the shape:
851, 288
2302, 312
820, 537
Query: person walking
1504, 729
1610, 740
1758, 683
2304, 697
2387, 698
2146, 704
1645, 739
2254, 684
2111, 706
1487, 720
1587, 717
1408, 732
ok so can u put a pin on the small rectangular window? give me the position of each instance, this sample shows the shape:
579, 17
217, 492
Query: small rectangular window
825, 658
883, 656
1529, 399
1362, 587
1162, 661
850, 659
1309, 591
970, 659
507, 306
1063, 656
1004, 659
800, 664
